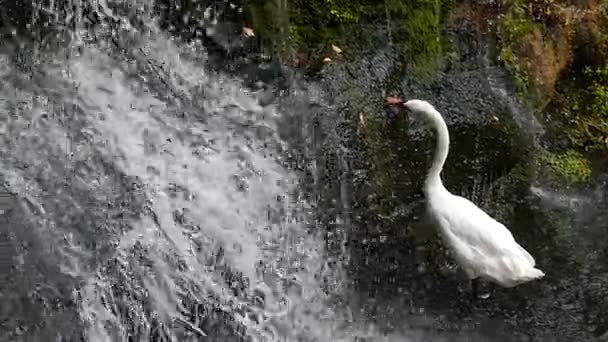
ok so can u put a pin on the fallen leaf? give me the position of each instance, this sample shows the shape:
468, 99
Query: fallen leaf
361, 119
336, 49
326, 60
248, 32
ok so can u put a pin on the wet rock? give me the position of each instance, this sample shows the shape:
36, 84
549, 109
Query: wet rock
490, 162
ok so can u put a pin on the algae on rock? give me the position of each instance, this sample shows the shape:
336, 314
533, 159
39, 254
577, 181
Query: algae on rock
571, 165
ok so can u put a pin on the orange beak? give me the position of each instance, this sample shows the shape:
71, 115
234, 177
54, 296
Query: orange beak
394, 101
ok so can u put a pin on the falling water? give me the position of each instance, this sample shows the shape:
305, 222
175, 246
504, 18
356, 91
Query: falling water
498, 81
153, 203
146, 204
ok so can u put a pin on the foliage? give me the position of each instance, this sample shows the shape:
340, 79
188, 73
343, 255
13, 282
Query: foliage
579, 109
571, 165
590, 112
420, 31
580, 112
603, 24
515, 25
516, 67
532, 23
582, 109
599, 91
287, 27
345, 12
311, 26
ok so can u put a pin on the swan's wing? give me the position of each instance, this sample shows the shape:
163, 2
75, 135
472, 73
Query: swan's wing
477, 229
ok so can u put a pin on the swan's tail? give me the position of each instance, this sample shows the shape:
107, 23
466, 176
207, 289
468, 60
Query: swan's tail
531, 274
527, 256
527, 275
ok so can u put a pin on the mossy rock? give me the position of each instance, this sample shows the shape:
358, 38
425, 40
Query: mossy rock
570, 166
303, 32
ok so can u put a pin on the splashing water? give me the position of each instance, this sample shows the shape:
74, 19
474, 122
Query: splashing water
163, 217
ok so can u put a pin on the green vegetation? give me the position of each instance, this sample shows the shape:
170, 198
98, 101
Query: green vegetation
571, 165
517, 68
515, 25
579, 112
304, 31
549, 70
592, 118
417, 29
535, 44
582, 111
304, 27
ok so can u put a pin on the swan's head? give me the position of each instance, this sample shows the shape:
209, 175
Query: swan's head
423, 112
415, 106
419, 106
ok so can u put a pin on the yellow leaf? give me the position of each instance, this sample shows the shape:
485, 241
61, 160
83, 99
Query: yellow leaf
336, 49
248, 32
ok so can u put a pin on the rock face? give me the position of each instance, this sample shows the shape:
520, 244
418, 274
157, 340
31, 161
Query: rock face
399, 277
366, 165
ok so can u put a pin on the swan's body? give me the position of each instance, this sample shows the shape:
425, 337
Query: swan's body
484, 248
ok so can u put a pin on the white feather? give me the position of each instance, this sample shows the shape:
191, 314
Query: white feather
483, 247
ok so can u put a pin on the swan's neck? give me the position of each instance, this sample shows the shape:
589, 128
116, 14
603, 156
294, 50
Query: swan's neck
433, 179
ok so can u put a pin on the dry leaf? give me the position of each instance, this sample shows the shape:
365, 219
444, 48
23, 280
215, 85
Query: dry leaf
326, 60
248, 32
361, 119
336, 49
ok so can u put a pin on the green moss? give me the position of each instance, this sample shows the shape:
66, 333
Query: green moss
583, 110
514, 26
287, 27
311, 26
346, 12
577, 116
416, 27
577, 121
598, 91
517, 68
572, 166
594, 123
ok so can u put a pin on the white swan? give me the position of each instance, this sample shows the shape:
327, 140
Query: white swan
484, 248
